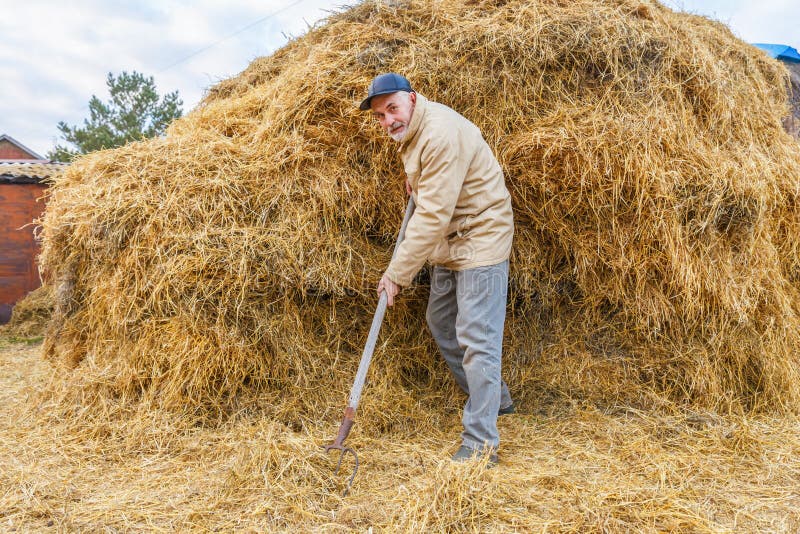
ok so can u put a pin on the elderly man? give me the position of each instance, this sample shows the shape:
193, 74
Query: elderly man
463, 226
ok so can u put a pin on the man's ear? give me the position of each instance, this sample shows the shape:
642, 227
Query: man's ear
413, 97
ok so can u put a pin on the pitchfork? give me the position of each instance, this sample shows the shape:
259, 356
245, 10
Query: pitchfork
361, 375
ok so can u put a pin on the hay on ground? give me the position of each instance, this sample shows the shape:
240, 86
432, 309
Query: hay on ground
214, 289
30, 315
136, 467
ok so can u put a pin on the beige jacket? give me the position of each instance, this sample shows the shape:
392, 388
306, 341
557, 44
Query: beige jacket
463, 216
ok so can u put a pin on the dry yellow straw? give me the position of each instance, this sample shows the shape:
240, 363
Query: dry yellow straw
213, 290
654, 189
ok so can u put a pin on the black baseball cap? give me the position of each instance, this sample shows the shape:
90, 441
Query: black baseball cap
384, 84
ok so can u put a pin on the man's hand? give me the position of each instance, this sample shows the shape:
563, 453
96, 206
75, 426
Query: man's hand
390, 287
408, 188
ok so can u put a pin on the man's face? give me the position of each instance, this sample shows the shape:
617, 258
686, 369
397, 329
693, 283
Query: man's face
393, 112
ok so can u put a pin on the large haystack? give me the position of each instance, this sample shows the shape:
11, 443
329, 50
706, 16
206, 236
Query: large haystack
655, 193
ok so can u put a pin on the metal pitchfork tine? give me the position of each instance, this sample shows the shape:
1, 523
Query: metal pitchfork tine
361, 375
338, 444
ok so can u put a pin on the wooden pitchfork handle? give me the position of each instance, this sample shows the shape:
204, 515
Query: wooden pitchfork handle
366, 358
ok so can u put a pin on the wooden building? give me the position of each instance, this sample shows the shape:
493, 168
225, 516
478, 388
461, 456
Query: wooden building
23, 181
793, 121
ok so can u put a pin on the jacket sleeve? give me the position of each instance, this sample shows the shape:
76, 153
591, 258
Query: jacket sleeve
442, 172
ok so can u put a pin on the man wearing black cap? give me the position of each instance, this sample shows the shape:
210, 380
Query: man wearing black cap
462, 225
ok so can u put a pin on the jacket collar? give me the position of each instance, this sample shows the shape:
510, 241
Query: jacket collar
416, 120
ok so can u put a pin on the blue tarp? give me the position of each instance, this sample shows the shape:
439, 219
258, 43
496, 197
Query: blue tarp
779, 51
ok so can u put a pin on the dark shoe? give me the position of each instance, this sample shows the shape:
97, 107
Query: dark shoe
465, 454
507, 410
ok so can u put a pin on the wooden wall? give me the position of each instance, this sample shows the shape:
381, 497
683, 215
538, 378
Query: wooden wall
792, 122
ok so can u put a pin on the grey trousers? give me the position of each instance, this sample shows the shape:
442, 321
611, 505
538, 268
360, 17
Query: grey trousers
466, 312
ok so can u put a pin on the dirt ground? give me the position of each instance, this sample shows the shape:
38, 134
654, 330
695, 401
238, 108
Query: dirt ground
580, 471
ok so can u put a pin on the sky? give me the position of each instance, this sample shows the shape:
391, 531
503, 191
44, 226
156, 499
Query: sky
55, 55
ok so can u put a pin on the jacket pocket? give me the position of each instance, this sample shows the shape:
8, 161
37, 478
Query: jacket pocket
464, 226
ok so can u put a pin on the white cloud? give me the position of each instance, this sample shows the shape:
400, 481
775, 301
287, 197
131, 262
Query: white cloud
60, 56
766, 21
